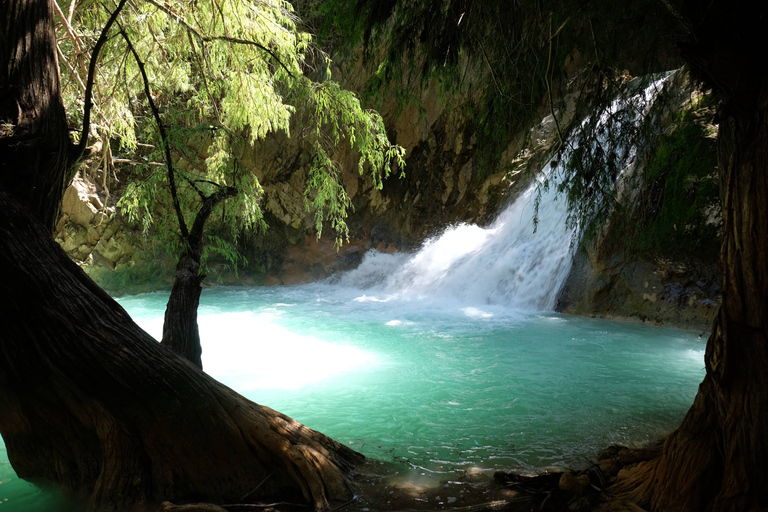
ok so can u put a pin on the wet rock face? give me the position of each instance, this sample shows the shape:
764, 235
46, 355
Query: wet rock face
663, 292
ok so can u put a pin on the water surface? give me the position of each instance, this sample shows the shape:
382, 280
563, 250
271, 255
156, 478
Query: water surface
443, 386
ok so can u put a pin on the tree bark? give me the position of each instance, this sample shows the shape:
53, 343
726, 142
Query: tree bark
90, 401
34, 138
717, 460
180, 330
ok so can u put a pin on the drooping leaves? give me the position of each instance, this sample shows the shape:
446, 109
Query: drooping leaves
223, 73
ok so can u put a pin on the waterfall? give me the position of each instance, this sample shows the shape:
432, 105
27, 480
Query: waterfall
508, 263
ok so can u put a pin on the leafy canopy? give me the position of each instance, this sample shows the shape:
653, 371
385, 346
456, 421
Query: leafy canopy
223, 74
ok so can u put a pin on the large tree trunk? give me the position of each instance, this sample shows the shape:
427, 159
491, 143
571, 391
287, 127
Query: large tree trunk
34, 137
90, 401
717, 460
87, 399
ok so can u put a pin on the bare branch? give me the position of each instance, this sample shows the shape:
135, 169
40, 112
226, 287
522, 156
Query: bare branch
219, 185
134, 162
549, 85
676, 14
163, 137
71, 68
68, 26
91, 75
71, 11
191, 183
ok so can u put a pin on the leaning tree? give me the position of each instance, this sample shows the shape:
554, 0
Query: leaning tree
87, 399
200, 83
717, 460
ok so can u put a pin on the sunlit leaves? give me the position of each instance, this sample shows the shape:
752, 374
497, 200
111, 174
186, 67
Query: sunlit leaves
223, 73
340, 118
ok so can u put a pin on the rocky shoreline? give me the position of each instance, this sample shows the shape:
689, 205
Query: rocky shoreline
583, 490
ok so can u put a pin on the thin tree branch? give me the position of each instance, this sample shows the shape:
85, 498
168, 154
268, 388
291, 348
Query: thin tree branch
203, 197
202, 74
209, 203
71, 68
549, 85
557, 32
209, 39
80, 149
134, 162
219, 185
163, 137
490, 68
71, 11
679, 17
68, 26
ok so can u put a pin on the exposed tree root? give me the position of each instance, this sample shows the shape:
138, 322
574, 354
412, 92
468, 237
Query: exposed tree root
94, 404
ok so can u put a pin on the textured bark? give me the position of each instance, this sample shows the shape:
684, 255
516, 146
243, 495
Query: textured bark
717, 460
180, 330
34, 138
90, 401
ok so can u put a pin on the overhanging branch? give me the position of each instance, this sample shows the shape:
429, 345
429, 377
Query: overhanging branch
163, 138
80, 149
208, 39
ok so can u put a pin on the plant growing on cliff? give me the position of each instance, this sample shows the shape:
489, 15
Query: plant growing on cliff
677, 211
218, 76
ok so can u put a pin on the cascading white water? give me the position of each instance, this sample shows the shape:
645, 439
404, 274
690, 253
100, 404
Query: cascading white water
508, 263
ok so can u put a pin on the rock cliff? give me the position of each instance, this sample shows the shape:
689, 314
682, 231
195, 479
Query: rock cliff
447, 180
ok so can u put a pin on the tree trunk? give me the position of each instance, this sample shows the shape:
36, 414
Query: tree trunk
717, 460
90, 401
34, 136
180, 330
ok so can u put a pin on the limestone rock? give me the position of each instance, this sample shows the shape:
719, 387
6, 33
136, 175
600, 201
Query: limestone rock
83, 221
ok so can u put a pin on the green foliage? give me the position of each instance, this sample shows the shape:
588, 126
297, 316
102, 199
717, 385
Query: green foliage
224, 73
606, 143
682, 192
676, 211
339, 118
